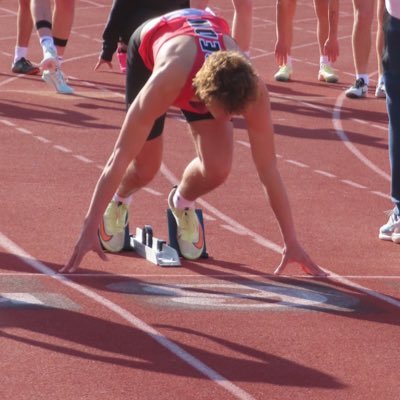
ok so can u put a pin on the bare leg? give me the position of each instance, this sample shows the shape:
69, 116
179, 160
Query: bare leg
242, 24
63, 17
24, 23
214, 145
361, 36
142, 170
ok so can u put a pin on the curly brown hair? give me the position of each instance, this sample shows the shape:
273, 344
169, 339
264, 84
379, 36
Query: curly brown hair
228, 78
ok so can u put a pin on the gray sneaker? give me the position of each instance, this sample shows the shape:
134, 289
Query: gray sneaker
391, 230
50, 60
57, 80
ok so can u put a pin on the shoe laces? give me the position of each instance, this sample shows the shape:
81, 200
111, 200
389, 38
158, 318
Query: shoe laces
327, 68
394, 218
359, 83
60, 77
25, 62
116, 217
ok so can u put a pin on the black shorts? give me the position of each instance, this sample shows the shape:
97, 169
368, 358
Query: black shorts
137, 74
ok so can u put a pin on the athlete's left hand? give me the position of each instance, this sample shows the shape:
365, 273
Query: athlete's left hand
100, 62
295, 253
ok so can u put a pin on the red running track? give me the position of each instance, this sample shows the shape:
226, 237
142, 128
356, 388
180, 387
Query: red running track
221, 328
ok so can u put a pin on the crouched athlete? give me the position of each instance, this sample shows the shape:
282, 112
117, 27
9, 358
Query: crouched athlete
188, 59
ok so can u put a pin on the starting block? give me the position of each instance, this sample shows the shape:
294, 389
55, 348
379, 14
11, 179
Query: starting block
155, 250
152, 249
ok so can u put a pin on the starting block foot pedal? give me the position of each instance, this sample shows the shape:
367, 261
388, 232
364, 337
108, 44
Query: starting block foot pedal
172, 231
152, 249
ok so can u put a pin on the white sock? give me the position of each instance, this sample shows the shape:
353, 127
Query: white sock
46, 42
20, 52
123, 200
363, 76
289, 61
324, 60
180, 202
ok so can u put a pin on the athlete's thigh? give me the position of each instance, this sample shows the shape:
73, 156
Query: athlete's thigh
213, 141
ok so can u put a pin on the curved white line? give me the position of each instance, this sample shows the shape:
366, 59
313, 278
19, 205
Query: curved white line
337, 123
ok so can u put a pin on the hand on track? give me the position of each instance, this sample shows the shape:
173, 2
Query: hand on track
88, 241
295, 253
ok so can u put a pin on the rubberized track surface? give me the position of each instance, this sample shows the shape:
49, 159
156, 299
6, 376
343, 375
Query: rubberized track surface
221, 328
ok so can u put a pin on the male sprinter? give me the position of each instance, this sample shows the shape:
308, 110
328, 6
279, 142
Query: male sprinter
188, 59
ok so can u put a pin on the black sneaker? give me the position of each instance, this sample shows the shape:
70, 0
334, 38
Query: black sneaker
360, 89
24, 66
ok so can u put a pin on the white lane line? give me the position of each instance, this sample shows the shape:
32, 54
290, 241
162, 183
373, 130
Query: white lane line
324, 173
82, 158
23, 130
152, 191
6, 122
42, 139
170, 275
384, 195
354, 184
194, 362
62, 148
337, 123
297, 163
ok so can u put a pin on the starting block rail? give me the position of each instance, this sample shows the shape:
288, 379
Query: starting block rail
155, 250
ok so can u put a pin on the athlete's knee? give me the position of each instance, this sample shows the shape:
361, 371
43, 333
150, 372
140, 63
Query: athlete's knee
217, 173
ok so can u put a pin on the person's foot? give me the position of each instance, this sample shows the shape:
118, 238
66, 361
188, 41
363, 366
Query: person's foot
391, 230
50, 60
190, 235
24, 66
284, 73
57, 80
112, 227
326, 73
380, 91
358, 90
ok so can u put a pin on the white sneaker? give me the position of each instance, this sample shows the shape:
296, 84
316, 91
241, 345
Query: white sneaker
391, 230
50, 60
284, 73
380, 91
326, 73
358, 90
190, 235
57, 79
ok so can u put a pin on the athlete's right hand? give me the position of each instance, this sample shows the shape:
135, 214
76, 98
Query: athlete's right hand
88, 241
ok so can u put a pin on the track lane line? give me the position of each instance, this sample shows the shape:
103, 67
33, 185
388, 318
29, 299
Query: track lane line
178, 351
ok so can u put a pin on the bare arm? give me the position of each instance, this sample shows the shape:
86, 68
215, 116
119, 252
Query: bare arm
152, 101
284, 30
258, 118
331, 46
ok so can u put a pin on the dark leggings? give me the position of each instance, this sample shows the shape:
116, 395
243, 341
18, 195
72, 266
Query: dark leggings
391, 66
137, 75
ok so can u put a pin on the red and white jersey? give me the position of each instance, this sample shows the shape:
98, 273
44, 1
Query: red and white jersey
206, 28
